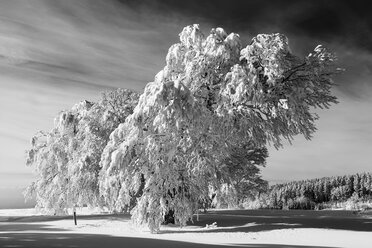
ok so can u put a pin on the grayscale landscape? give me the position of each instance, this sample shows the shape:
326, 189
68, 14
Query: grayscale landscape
160, 123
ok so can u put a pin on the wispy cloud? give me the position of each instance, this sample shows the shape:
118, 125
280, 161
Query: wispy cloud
56, 53
83, 41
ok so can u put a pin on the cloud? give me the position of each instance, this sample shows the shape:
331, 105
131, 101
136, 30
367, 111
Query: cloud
93, 42
56, 53
342, 142
345, 27
322, 19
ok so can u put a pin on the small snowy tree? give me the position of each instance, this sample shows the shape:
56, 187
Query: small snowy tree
66, 159
211, 96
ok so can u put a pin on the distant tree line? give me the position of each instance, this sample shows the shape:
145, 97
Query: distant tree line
315, 193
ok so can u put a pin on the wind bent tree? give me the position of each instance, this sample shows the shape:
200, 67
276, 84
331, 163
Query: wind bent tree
212, 95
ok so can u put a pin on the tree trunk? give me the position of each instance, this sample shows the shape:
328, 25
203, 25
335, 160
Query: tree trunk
169, 218
74, 210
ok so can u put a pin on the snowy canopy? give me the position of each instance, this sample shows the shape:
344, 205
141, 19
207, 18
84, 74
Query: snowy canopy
212, 95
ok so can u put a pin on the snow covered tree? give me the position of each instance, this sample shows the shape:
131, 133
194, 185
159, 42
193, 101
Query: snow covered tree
211, 96
240, 174
67, 159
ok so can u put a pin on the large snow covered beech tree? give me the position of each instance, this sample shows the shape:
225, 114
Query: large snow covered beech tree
212, 95
66, 159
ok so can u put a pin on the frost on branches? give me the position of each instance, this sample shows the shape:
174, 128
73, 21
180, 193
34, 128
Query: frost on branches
212, 95
241, 176
66, 159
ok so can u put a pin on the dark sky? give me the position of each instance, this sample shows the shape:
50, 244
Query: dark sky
348, 22
344, 26
54, 54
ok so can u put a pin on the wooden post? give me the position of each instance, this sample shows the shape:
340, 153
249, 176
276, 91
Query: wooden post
74, 210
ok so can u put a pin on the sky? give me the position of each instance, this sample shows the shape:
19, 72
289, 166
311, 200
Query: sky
54, 54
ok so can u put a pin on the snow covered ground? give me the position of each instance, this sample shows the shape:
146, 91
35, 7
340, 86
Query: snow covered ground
235, 228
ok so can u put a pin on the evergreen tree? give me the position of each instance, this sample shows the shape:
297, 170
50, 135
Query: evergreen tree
327, 190
350, 186
316, 191
356, 185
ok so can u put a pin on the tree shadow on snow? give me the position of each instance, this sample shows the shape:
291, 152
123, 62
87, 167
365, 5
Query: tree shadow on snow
26, 227
20, 233
42, 218
266, 220
51, 240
